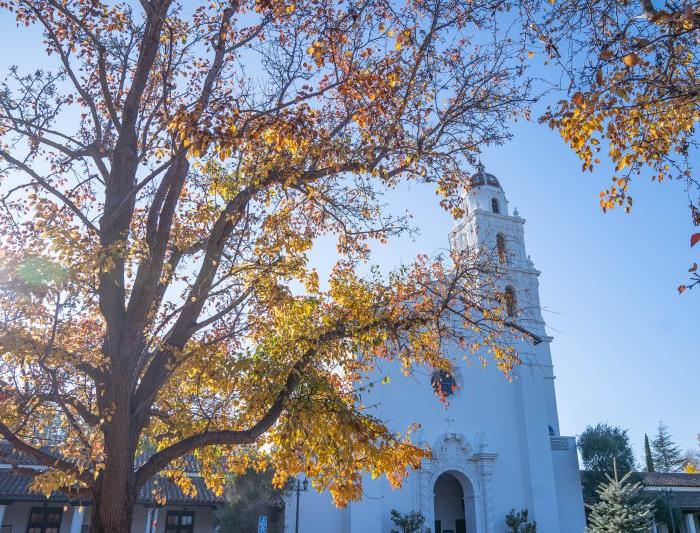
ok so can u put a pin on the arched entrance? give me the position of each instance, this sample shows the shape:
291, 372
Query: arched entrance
454, 504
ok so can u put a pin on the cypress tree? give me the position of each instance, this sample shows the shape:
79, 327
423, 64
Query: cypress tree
647, 454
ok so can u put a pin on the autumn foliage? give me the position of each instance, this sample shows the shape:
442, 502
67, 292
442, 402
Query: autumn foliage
634, 94
162, 184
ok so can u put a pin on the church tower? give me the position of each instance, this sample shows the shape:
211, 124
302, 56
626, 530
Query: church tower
490, 226
496, 446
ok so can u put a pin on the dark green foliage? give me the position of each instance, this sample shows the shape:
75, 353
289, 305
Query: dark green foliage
667, 456
247, 497
602, 448
619, 510
517, 522
407, 523
647, 455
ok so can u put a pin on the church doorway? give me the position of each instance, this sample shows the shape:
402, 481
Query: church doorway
454, 504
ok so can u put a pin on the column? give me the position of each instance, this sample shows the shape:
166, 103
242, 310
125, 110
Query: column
690, 523
76, 522
150, 520
2, 513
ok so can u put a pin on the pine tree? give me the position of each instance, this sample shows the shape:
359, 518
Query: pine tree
647, 454
617, 511
667, 456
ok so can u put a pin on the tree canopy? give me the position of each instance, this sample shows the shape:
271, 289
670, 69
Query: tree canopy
633, 91
666, 453
163, 181
604, 450
603, 446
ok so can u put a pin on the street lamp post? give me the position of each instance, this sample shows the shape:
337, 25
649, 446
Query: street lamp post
669, 497
299, 487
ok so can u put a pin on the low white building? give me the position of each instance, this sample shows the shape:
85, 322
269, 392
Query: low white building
497, 446
25, 511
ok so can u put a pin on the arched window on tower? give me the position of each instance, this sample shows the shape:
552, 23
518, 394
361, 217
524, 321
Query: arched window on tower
510, 300
501, 247
494, 206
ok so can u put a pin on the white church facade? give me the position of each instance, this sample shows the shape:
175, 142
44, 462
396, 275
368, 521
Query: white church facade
496, 447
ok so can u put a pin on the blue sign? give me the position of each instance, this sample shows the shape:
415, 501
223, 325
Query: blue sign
262, 523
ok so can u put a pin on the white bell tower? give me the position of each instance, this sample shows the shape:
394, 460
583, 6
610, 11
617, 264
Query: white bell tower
489, 225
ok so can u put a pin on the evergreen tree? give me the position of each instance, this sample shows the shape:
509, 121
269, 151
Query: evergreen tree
518, 522
602, 447
407, 523
248, 496
667, 455
617, 511
647, 454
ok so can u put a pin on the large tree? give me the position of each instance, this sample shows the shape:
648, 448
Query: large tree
631, 70
163, 180
666, 453
605, 450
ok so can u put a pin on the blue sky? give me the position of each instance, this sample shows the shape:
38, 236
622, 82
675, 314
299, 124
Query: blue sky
625, 343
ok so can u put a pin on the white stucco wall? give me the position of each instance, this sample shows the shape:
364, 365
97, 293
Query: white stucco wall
17, 515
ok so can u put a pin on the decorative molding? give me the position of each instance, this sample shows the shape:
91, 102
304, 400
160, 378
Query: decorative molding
472, 465
561, 444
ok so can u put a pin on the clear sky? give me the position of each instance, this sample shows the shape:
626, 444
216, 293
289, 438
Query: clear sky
626, 345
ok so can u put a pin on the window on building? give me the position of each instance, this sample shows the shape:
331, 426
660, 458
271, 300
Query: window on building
501, 247
494, 206
179, 522
443, 383
510, 301
44, 520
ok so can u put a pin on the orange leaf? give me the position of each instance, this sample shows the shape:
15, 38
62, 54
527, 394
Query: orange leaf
681, 288
577, 98
599, 77
694, 239
693, 268
689, 14
630, 59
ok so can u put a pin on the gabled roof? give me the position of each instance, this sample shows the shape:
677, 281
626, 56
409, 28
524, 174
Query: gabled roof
661, 479
6, 450
15, 487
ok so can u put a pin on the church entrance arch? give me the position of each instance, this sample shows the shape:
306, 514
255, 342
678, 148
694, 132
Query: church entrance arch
454, 503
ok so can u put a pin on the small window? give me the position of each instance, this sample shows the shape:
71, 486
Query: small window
494, 206
179, 522
501, 247
44, 520
443, 383
510, 301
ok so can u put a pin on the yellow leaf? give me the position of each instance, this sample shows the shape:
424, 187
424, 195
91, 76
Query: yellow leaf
630, 59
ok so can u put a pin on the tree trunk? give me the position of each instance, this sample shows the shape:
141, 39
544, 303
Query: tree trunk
114, 494
108, 515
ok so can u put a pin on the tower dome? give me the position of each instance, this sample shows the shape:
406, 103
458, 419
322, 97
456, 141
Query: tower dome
485, 194
481, 177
